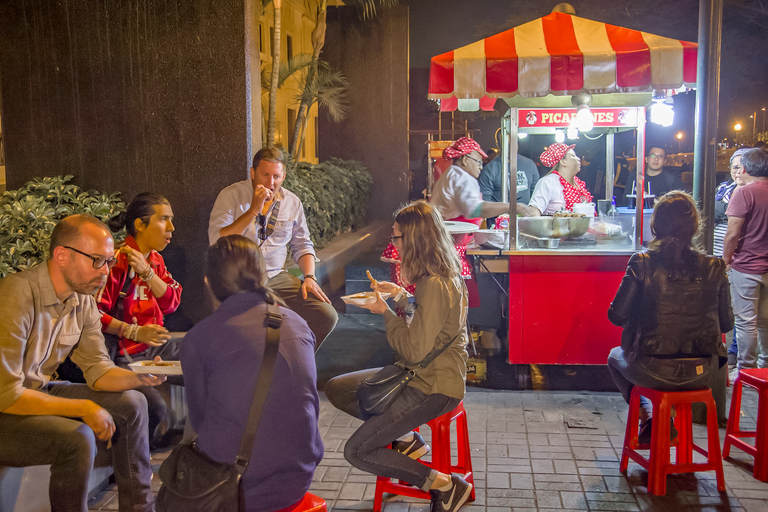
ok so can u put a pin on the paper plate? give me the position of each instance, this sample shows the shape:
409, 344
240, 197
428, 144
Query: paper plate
359, 299
157, 368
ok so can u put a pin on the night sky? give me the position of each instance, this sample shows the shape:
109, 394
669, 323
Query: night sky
438, 26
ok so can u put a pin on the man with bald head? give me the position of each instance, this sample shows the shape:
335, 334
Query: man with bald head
46, 314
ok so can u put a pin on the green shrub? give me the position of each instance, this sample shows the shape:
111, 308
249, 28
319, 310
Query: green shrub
28, 215
335, 196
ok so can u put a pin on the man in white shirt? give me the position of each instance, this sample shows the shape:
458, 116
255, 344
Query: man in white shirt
273, 217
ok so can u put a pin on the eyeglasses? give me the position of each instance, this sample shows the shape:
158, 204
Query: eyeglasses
392, 238
97, 262
736, 167
657, 155
478, 162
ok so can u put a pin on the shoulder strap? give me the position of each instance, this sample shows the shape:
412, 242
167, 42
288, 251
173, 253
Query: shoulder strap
434, 353
273, 320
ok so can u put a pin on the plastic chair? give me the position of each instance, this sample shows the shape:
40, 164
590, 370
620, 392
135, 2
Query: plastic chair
309, 503
441, 457
756, 378
658, 463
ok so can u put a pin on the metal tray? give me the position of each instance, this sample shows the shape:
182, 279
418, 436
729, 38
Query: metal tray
553, 227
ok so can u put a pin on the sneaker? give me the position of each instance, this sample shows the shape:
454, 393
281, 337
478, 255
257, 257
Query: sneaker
733, 359
644, 437
415, 448
453, 498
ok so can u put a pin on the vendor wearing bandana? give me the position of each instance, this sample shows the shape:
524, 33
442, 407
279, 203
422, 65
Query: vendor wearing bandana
560, 189
457, 193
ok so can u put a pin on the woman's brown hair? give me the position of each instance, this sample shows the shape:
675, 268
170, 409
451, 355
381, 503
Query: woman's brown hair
674, 224
427, 247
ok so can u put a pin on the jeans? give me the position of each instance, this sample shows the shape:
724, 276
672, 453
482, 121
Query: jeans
644, 372
320, 316
69, 446
749, 293
368, 448
157, 408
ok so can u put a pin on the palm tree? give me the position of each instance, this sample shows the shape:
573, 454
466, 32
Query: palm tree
277, 5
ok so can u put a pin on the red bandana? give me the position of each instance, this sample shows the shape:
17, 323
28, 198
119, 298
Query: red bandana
573, 195
461, 147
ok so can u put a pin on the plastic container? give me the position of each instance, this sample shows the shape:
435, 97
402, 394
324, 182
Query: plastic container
647, 212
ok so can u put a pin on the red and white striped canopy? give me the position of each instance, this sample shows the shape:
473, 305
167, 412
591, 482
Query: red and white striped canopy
561, 54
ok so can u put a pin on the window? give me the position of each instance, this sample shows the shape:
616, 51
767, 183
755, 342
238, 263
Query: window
271, 38
261, 38
291, 124
288, 47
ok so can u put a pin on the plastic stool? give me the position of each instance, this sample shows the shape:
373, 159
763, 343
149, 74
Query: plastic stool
657, 464
441, 457
756, 378
309, 503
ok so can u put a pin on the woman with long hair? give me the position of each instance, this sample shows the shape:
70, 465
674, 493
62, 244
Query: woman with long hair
439, 320
222, 355
673, 303
140, 291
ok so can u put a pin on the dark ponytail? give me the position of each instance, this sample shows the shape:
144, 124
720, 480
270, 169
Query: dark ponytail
142, 207
236, 265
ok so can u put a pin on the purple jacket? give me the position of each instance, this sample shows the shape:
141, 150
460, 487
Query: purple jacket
221, 357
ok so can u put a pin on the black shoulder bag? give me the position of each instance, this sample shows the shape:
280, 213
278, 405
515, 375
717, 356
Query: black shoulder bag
378, 391
191, 481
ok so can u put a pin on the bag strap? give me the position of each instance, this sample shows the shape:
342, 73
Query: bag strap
433, 355
273, 320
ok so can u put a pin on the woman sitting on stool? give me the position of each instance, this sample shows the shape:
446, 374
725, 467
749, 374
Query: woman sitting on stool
429, 261
673, 303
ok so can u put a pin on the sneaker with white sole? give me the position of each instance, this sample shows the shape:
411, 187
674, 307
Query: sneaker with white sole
452, 499
415, 448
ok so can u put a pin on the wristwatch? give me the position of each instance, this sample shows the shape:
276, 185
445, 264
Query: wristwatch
310, 276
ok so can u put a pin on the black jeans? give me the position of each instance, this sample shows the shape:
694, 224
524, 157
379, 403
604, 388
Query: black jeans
368, 448
69, 446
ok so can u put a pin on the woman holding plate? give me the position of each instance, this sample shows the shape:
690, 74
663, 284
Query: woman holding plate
429, 261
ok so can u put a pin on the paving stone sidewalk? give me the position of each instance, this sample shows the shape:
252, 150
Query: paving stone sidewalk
538, 451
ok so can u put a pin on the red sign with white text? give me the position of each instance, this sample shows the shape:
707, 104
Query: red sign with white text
562, 117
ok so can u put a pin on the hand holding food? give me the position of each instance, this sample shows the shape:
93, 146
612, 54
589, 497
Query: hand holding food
386, 287
135, 259
379, 306
261, 195
374, 283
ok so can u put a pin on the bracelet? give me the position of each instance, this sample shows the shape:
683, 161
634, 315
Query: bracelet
133, 331
147, 275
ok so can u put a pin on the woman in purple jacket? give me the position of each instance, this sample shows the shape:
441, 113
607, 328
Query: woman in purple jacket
221, 357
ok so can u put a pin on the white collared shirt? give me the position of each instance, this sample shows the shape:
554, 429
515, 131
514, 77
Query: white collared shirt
290, 229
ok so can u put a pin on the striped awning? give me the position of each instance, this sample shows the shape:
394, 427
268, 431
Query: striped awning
560, 54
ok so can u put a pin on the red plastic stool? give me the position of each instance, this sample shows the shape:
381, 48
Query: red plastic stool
756, 378
309, 503
441, 457
657, 464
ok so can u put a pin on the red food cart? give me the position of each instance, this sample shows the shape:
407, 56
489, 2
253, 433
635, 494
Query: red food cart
559, 296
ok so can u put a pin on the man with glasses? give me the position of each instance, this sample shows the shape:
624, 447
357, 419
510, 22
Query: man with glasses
260, 209
46, 314
657, 180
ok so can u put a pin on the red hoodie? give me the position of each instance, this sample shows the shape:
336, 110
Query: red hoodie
139, 306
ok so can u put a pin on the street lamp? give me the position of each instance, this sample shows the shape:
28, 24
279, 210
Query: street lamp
737, 127
679, 138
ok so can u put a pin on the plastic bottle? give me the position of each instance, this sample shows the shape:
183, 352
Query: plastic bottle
612, 212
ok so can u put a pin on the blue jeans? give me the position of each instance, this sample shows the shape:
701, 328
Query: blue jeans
70, 446
368, 448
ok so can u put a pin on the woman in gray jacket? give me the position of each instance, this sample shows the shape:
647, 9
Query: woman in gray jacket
439, 317
673, 303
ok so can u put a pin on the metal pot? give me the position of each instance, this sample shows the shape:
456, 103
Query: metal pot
544, 243
553, 227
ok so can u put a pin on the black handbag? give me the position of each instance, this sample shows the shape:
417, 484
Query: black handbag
378, 391
192, 481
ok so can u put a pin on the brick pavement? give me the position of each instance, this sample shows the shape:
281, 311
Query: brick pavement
539, 451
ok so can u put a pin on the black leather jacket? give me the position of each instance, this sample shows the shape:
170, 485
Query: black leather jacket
677, 317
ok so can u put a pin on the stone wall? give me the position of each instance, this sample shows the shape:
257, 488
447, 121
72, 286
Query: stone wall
132, 96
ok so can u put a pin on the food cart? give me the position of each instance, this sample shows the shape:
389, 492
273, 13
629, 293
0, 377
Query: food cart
546, 70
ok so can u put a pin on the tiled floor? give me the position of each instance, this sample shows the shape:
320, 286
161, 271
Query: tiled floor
539, 451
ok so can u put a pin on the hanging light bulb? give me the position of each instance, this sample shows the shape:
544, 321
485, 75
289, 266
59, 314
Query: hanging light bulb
661, 109
582, 102
521, 135
559, 136
572, 132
